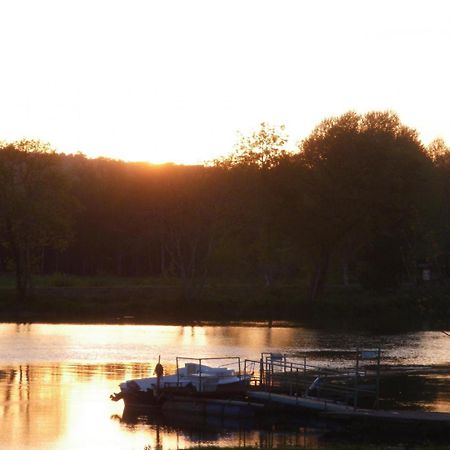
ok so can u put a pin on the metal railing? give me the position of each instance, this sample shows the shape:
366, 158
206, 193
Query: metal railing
276, 373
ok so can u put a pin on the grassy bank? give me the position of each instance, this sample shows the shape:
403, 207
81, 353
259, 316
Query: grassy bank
74, 299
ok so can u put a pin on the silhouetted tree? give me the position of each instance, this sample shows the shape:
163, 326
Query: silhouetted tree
438, 242
191, 225
254, 163
34, 206
364, 177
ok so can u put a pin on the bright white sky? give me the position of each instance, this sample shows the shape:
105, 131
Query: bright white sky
175, 80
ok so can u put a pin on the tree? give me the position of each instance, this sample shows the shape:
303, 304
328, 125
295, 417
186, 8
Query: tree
437, 251
191, 226
264, 149
35, 206
364, 177
253, 168
439, 152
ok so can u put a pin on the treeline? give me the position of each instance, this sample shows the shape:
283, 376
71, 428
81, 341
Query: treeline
360, 201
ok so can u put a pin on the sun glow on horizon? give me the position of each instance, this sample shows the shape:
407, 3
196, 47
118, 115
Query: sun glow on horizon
175, 81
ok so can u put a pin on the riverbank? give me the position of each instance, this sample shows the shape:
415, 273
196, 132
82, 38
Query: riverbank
161, 301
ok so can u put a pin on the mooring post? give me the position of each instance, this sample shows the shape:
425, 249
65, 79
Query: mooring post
271, 372
377, 388
200, 375
355, 397
261, 371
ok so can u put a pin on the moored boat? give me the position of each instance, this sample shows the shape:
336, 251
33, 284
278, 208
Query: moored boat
194, 380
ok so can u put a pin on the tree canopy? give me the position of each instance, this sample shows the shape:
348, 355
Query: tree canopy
34, 206
362, 188
360, 201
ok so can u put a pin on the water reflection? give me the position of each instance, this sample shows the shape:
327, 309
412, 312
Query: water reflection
38, 343
66, 406
55, 382
58, 405
180, 430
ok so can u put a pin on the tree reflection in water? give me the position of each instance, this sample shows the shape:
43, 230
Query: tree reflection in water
267, 432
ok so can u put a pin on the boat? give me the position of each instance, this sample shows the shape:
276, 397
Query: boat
193, 381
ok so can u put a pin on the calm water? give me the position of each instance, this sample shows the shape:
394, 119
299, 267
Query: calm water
55, 382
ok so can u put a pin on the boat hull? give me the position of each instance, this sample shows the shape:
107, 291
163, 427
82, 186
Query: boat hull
139, 398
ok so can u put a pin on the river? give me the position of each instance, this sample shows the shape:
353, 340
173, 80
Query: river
55, 381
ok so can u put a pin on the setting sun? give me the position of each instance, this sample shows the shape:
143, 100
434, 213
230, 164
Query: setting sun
175, 81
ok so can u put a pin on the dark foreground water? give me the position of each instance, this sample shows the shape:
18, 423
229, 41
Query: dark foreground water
55, 382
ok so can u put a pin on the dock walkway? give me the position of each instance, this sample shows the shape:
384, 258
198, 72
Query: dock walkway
342, 412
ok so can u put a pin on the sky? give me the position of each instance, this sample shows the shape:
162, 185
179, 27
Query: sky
160, 81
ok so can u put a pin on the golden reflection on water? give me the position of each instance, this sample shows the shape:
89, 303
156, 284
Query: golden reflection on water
47, 406
125, 343
55, 380
441, 402
66, 406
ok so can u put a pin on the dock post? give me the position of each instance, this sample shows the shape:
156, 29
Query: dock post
304, 368
266, 372
355, 397
271, 372
199, 375
377, 388
261, 371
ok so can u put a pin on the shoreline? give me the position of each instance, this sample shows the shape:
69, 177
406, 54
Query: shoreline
347, 309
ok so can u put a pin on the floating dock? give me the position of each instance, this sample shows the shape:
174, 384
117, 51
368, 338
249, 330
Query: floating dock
394, 419
214, 407
273, 384
298, 403
283, 385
